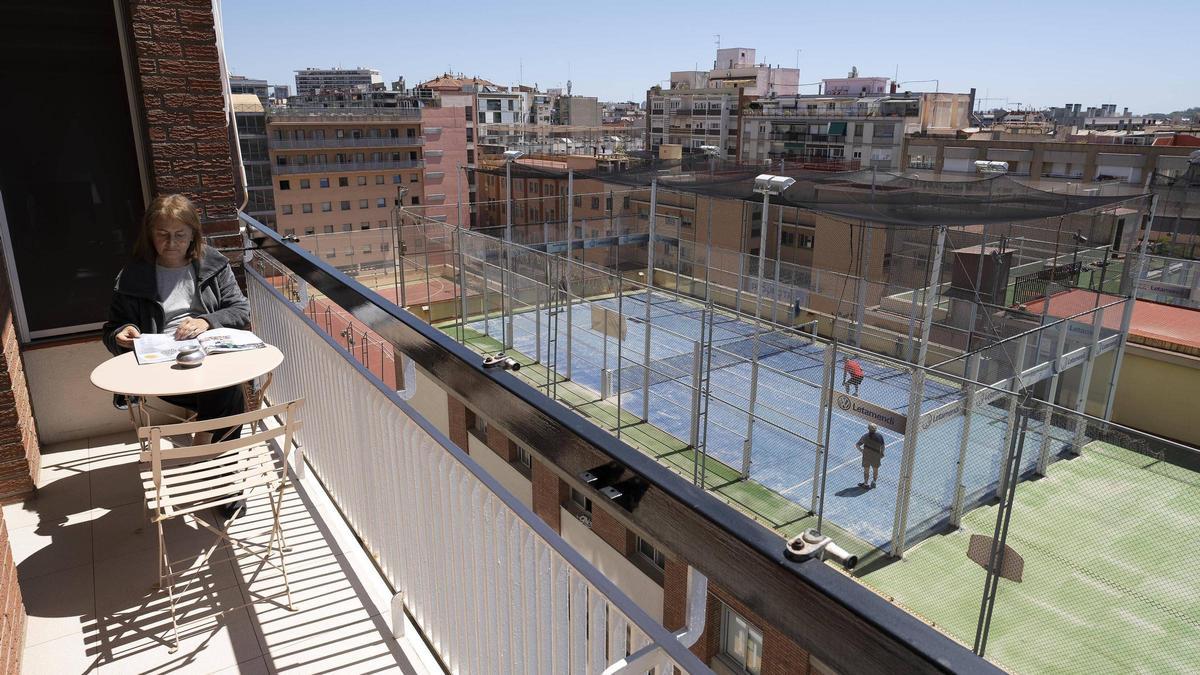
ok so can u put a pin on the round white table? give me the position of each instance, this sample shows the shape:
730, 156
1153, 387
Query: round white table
122, 374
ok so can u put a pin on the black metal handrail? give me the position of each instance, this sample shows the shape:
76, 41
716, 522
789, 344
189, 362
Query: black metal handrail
835, 618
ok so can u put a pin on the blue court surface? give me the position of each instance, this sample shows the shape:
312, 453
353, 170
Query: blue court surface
785, 430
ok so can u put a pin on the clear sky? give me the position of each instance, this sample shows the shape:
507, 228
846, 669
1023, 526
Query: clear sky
1140, 56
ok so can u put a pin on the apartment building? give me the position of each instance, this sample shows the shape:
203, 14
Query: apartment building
1046, 157
501, 114
341, 171
702, 108
846, 131
239, 84
251, 120
337, 79
448, 113
582, 111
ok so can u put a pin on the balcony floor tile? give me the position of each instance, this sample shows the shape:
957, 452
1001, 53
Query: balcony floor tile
88, 560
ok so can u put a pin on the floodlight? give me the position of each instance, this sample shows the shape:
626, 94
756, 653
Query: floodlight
513, 155
772, 185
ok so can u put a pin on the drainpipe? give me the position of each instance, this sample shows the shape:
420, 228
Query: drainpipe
645, 658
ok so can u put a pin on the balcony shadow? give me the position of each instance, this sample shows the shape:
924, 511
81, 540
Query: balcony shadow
126, 620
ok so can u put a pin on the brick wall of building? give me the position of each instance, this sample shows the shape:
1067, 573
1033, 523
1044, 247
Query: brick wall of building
548, 494
501, 444
12, 623
457, 420
182, 108
611, 531
20, 455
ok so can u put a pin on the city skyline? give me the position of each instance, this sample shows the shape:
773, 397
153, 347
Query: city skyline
617, 53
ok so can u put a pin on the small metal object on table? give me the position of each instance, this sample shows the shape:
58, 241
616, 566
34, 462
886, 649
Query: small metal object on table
123, 375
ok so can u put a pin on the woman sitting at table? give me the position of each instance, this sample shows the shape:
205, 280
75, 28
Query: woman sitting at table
177, 285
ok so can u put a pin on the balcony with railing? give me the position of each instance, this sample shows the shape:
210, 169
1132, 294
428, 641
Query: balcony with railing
404, 554
377, 142
285, 169
309, 115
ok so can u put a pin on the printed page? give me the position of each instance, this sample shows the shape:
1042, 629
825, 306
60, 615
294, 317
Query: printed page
229, 340
159, 347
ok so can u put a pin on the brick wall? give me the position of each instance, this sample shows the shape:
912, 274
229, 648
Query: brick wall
501, 444
456, 413
781, 656
548, 494
179, 82
20, 455
608, 528
12, 623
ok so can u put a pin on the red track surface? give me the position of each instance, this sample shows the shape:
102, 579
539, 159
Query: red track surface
1157, 325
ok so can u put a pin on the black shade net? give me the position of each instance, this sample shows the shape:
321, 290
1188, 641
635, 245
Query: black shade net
883, 197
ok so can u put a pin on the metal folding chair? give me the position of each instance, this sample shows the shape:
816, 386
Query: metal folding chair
186, 482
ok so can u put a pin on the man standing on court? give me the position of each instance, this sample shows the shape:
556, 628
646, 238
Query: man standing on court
852, 374
871, 446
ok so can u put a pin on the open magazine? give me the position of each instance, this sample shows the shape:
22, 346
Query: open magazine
160, 347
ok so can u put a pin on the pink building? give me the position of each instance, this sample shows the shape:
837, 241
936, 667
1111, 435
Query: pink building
448, 122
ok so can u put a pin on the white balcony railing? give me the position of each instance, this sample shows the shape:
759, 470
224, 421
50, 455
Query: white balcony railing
285, 169
490, 585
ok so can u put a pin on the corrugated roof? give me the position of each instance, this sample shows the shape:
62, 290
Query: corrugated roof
1175, 329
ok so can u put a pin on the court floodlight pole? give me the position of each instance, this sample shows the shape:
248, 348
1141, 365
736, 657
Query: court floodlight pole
459, 240
402, 296
649, 298
1127, 315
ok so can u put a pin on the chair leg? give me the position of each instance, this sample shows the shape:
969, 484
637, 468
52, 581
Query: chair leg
277, 531
165, 562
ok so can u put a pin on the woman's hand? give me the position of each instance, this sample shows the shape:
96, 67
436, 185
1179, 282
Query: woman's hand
127, 335
190, 328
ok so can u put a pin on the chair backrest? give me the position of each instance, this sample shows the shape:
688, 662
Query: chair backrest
288, 412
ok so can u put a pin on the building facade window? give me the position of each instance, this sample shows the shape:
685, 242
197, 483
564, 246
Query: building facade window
324, 182
306, 208
287, 209
305, 183
381, 202
343, 181
326, 207
328, 229
364, 203
651, 554
379, 180
741, 642
285, 185
345, 205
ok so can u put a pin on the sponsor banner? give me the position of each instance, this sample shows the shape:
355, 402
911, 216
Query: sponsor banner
1072, 359
984, 396
1037, 373
1109, 343
888, 419
941, 413
1163, 288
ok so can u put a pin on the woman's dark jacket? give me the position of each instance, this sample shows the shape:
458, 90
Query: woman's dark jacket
135, 298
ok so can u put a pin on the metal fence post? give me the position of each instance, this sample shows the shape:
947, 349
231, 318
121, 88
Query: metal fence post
570, 259
1085, 381
969, 387
697, 363
1015, 386
1044, 450
829, 363
908, 461
1127, 316
649, 299
860, 308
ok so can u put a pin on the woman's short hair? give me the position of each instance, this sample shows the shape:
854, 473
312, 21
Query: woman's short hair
164, 209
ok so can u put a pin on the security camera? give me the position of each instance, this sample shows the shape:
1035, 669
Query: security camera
502, 362
811, 543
